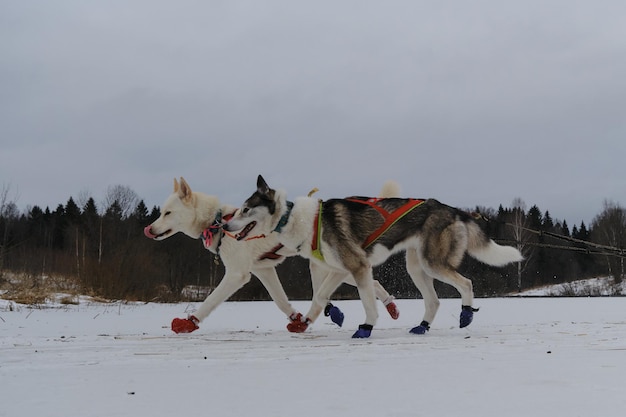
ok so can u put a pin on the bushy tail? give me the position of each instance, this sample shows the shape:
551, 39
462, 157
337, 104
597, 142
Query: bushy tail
390, 189
487, 251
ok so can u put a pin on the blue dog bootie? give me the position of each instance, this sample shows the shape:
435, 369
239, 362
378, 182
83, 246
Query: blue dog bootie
364, 331
335, 314
421, 329
467, 315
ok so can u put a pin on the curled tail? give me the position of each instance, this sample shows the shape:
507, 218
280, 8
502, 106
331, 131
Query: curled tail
480, 247
390, 189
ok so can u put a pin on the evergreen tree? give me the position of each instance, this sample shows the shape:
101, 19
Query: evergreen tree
90, 210
547, 224
91, 227
36, 228
141, 213
583, 233
114, 212
58, 227
72, 212
565, 229
535, 219
154, 214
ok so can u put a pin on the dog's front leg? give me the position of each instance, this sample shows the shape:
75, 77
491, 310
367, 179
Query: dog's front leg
330, 280
227, 287
319, 273
365, 285
270, 281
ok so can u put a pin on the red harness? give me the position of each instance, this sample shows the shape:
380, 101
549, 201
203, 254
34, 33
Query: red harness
390, 218
272, 254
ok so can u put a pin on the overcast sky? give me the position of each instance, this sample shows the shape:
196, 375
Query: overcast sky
470, 102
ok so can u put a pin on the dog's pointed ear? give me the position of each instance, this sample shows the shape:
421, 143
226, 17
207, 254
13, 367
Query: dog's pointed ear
262, 186
176, 186
184, 191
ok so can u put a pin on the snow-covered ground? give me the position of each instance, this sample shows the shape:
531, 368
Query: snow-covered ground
589, 287
520, 357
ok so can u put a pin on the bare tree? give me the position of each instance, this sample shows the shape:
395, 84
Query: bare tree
519, 225
609, 228
125, 198
83, 197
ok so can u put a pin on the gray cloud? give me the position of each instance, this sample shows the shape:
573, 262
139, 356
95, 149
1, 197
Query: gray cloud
474, 103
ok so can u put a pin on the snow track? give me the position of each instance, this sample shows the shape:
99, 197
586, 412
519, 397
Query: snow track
539, 357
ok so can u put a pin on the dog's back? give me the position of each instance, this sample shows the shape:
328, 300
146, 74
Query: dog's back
444, 233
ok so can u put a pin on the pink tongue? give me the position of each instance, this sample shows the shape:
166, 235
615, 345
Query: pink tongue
148, 232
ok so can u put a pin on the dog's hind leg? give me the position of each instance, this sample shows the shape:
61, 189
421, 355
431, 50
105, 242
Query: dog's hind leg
464, 287
270, 281
381, 293
387, 300
424, 284
441, 255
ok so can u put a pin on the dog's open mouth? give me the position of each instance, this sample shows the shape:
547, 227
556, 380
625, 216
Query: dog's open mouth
245, 231
167, 232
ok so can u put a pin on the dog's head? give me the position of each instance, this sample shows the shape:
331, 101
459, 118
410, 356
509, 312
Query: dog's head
258, 213
178, 214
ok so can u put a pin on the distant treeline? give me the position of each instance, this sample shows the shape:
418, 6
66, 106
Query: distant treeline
104, 253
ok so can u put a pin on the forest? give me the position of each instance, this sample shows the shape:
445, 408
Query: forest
81, 247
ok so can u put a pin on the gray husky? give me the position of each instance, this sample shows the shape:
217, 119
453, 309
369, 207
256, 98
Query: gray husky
352, 234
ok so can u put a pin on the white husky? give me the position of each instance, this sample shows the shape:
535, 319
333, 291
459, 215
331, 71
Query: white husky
199, 215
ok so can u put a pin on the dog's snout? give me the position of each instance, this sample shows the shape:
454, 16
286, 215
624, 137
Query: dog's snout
148, 232
226, 226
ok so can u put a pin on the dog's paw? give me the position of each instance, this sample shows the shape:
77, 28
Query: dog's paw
336, 315
467, 315
297, 325
393, 311
421, 329
295, 317
364, 331
185, 325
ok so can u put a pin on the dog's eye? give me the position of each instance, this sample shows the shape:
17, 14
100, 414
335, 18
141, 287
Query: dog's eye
245, 210
167, 213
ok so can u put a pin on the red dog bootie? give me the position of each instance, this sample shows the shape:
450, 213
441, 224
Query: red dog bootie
296, 325
185, 325
392, 308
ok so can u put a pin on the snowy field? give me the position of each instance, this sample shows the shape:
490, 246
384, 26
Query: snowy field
520, 357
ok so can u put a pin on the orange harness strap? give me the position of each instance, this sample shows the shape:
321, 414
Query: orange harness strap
234, 236
390, 218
